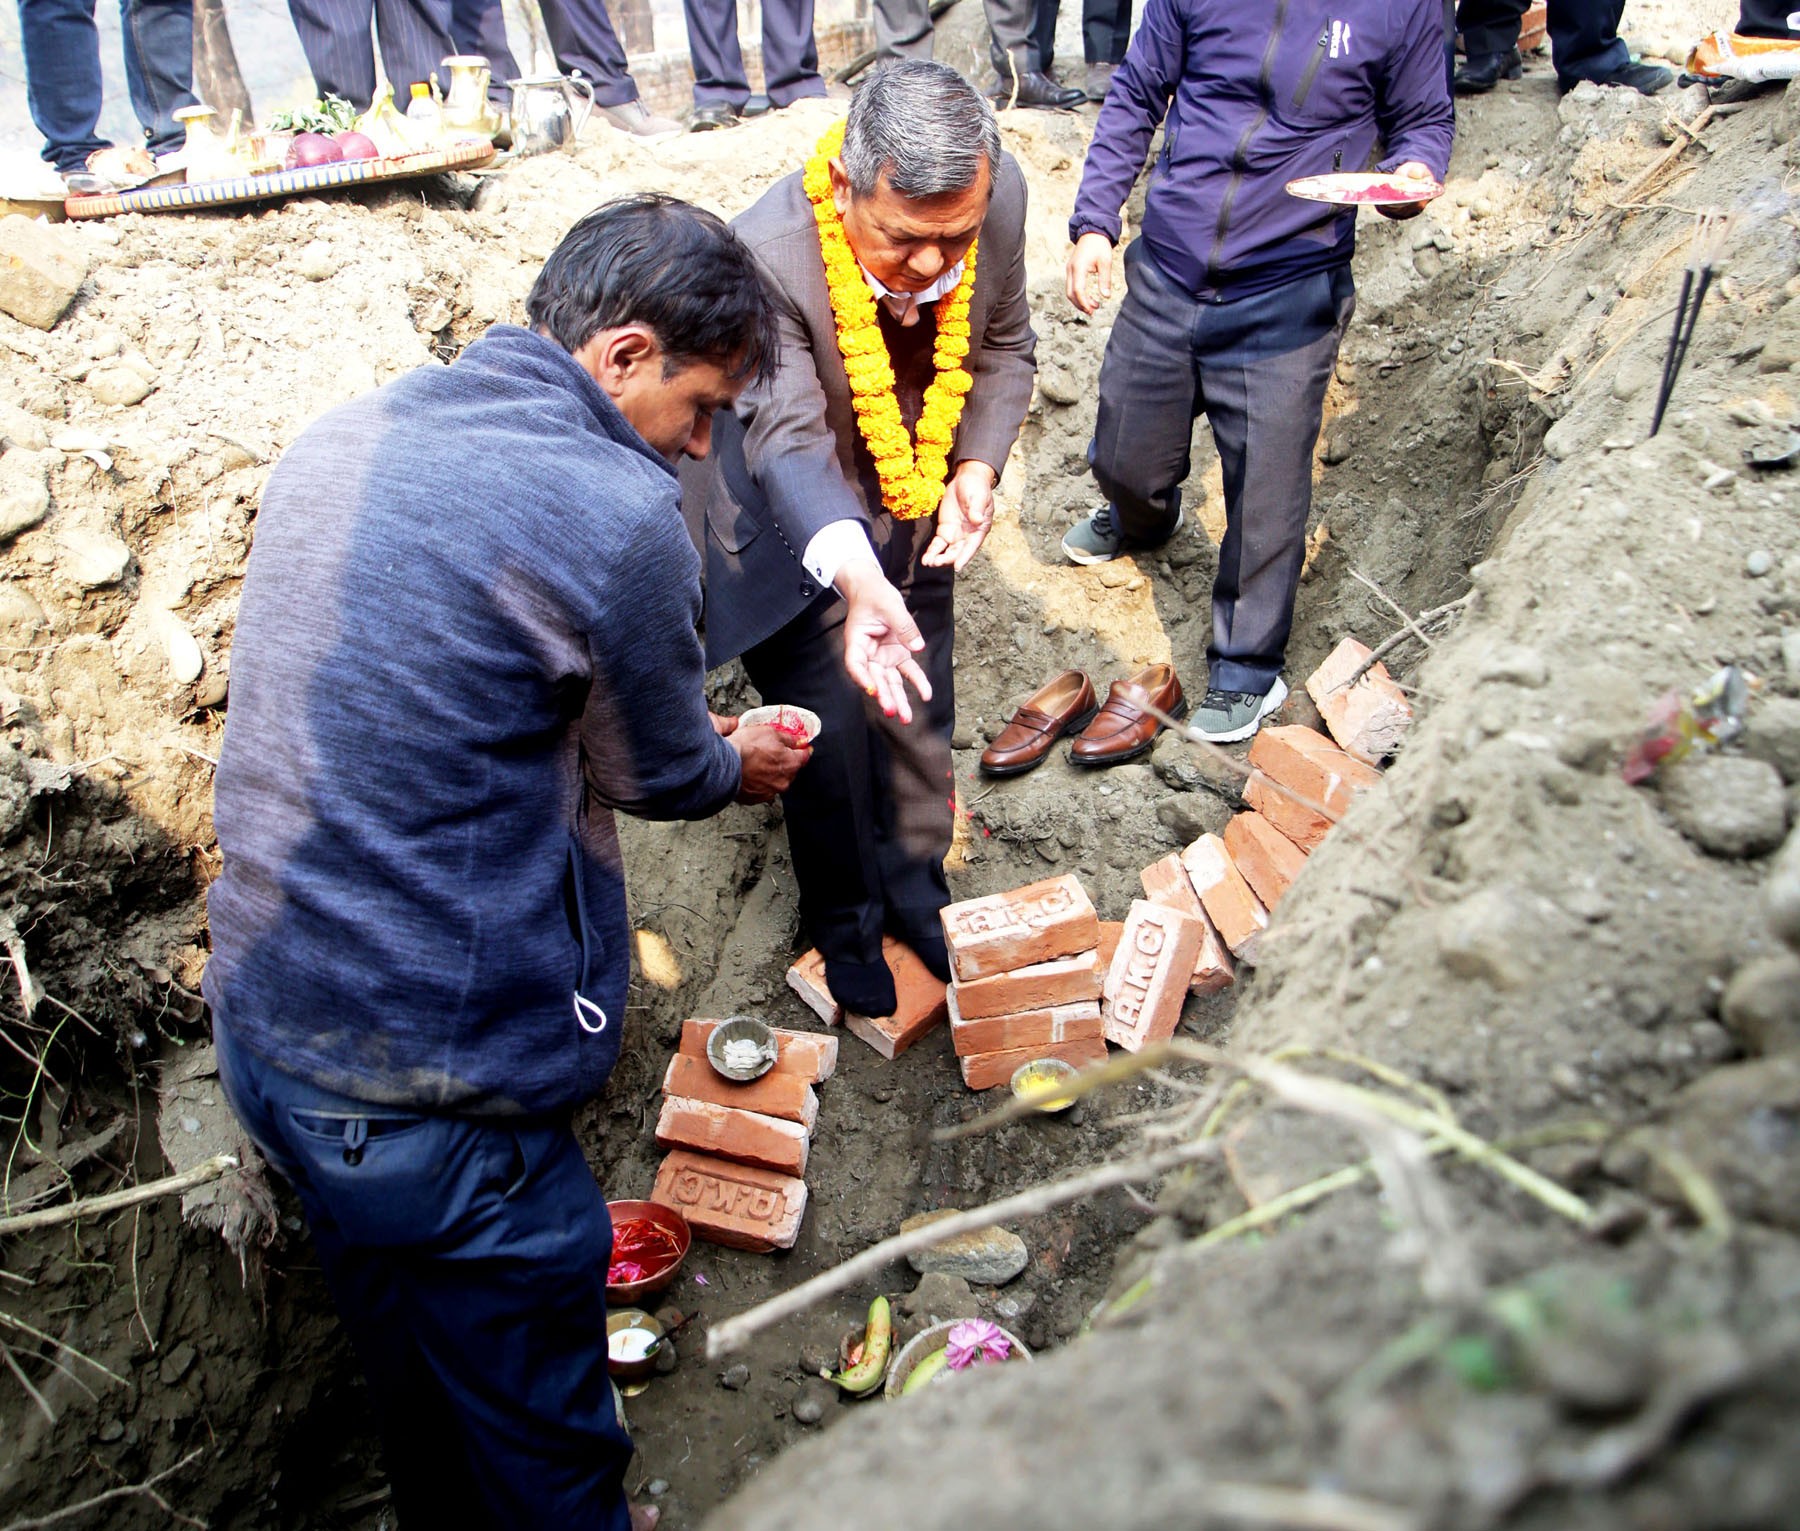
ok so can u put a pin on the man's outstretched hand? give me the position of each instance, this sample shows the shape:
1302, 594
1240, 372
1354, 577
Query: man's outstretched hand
768, 759
1089, 275
965, 517
880, 639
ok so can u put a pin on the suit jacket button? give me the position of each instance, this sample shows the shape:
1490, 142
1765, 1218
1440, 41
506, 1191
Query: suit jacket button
807, 588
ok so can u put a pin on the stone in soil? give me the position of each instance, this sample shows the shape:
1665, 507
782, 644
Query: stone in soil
1772, 735
1735, 1126
938, 1296
809, 1406
41, 270
1781, 893
735, 1377
1761, 1005
1497, 935
986, 1257
1728, 805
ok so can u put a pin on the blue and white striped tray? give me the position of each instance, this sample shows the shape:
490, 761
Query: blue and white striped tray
278, 183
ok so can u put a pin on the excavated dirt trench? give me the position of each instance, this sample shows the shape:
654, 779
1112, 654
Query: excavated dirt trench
1507, 924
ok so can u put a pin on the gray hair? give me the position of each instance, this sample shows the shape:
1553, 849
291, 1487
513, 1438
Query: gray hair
925, 125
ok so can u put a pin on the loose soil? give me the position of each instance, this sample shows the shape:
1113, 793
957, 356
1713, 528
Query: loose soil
1505, 923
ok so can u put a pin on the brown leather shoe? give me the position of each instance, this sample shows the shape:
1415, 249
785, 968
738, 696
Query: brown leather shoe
1122, 730
1064, 706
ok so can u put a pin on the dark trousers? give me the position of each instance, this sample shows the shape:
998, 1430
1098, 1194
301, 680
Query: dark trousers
582, 37
1584, 34
870, 817
479, 27
1105, 31
1259, 368
903, 30
414, 37
62, 72
468, 1262
790, 53
1766, 18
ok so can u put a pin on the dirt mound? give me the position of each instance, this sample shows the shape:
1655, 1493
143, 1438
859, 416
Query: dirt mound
1534, 944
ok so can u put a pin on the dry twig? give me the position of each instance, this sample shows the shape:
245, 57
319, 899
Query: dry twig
125, 1491
117, 1201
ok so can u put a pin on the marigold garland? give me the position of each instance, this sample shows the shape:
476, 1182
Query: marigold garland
912, 471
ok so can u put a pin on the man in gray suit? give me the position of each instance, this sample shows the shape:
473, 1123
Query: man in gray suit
789, 514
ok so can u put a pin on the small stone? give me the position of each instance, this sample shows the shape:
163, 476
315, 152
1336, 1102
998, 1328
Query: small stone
1057, 384
815, 1359
41, 270
24, 496
1015, 1305
118, 385
190, 1125
112, 1430
1790, 652
21, 618
938, 1296
1759, 563
183, 651
315, 261
1428, 263
811, 1403
93, 559
671, 1318
667, 1357
1515, 667
1781, 893
177, 1363
1761, 1005
1773, 735
735, 1377
1497, 936
19, 428
211, 690
987, 1257
657, 1487
1728, 805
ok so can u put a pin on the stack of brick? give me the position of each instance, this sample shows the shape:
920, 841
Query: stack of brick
738, 1152
1239, 876
918, 994
1027, 980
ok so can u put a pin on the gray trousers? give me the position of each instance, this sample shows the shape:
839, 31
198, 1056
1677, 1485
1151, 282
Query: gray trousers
1258, 367
903, 30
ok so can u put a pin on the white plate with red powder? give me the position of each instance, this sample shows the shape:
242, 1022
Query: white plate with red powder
1359, 187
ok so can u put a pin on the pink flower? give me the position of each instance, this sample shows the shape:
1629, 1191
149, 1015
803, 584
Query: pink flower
973, 1341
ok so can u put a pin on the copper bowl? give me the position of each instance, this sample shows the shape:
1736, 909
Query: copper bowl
634, 1367
625, 1292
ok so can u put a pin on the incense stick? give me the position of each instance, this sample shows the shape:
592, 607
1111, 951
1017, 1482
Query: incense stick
1706, 248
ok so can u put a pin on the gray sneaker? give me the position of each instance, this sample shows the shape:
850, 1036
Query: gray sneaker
1097, 539
1227, 716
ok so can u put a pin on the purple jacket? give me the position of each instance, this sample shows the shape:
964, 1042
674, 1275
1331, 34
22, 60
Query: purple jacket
1256, 93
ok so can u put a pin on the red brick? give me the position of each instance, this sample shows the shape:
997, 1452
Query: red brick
919, 1000
1067, 981
807, 979
1235, 911
1079, 1022
775, 1094
1036, 923
1148, 979
809, 1054
1268, 859
1307, 763
1167, 882
1369, 719
737, 1205
1110, 931
984, 1071
743, 1136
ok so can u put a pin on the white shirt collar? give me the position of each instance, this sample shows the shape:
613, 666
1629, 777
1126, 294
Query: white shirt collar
945, 283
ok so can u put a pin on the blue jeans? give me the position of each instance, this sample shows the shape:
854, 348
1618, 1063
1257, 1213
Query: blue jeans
468, 1262
62, 72
1259, 367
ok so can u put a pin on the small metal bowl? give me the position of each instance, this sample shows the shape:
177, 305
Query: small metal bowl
620, 1293
1036, 1083
741, 1028
628, 1364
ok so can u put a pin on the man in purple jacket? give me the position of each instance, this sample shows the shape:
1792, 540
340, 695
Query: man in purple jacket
1237, 294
